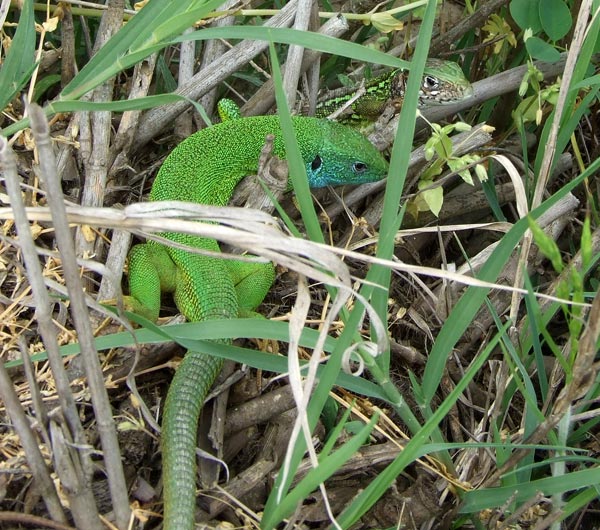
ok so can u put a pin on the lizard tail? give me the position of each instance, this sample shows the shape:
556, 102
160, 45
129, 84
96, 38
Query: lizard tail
184, 402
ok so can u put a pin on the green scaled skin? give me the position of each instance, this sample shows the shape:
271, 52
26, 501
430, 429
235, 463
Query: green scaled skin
205, 168
443, 82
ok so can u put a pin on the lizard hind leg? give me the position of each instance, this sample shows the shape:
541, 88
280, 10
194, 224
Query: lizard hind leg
252, 283
147, 263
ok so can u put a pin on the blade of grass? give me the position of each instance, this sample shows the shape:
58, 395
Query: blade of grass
320, 474
143, 103
119, 53
414, 449
297, 169
136, 40
329, 375
116, 55
466, 308
482, 499
535, 321
198, 335
19, 64
307, 39
391, 217
579, 500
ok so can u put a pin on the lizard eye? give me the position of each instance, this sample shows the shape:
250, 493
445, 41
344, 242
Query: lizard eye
316, 163
359, 167
430, 82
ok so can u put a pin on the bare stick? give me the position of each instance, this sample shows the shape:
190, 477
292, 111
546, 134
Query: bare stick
81, 319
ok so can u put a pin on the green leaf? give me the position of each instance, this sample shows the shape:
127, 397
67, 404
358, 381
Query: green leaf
526, 14
329, 415
526, 110
555, 18
546, 244
444, 148
481, 499
297, 171
19, 63
143, 103
416, 447
434, 198
460, 166
201, 336
586, 243
586, 83
119, 54
539, 49
319, 474
43, 85
143, 35
308, 39
164, 76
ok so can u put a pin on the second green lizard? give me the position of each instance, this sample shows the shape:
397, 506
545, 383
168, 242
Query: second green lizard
443, 82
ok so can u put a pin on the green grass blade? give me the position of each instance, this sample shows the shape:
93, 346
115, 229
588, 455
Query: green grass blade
331, 371
580, 500
392, 214
199, 336
318, 475
19, 62
297, 169
414, 449
466, 308
307, 39
142, 103
150, 30
482, 499
391, 218
137, 40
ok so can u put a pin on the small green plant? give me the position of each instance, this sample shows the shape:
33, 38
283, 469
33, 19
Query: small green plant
431, 194
549, 18
570, 287
531, 107
502, 35
544, 23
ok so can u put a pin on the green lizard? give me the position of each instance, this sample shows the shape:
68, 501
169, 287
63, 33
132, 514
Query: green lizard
443, 82
205, 168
